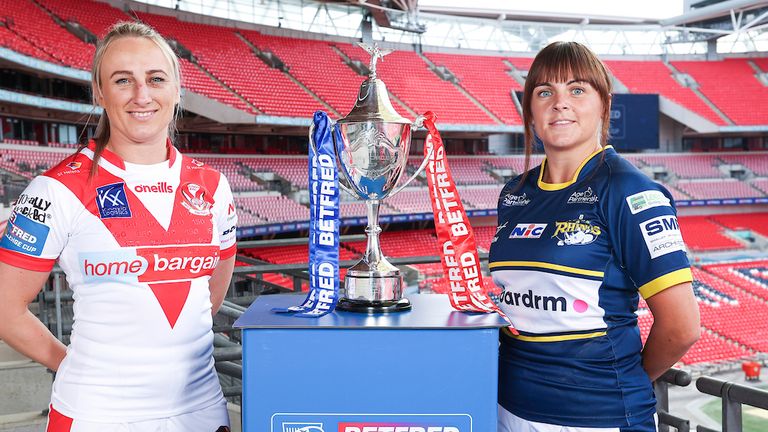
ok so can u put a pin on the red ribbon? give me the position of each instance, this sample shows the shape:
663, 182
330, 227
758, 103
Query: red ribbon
461, 263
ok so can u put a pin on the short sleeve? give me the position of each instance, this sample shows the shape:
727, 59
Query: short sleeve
38, 226
224, 209
645, 233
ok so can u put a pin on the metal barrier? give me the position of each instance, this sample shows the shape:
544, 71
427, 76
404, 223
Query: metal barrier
734, 396
674, 377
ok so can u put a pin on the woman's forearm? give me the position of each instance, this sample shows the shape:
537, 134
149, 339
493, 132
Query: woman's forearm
27, 335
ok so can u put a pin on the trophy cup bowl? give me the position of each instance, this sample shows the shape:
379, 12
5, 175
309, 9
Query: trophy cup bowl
372, 156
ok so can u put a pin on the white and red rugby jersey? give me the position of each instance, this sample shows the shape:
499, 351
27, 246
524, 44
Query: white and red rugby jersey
138, 244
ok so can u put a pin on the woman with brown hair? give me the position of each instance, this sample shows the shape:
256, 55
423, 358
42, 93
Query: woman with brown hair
580, 237
146, 238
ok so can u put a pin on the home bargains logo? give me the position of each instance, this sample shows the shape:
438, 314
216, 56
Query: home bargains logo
527, 230
155, 264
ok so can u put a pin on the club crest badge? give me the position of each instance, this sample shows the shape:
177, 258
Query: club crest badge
196, 199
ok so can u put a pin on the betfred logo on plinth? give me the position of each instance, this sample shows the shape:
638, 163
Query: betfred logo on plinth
359, 422
373, 427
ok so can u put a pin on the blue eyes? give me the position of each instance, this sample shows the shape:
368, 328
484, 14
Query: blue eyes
152, 80
576, 91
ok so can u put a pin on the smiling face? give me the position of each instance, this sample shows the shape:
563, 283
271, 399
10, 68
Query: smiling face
567, 114
138, 91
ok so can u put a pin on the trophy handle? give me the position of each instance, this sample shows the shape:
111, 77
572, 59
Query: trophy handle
419, 122
343, 187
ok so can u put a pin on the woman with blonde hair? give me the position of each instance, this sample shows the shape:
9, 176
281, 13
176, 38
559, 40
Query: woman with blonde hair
146, 238
580, 237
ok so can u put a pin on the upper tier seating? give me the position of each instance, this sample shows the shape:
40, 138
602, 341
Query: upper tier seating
723, 188
654, 77
486, 79
316, 65
39, 29
95, 16
227, 57
749, 107
409, 78
686, 166
11, 40
754, 161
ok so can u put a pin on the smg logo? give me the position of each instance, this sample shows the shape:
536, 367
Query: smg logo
662, 235
527, 230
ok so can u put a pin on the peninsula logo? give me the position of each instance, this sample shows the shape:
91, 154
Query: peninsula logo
74, 165
302, 427
510, 200
583, 197
576, 232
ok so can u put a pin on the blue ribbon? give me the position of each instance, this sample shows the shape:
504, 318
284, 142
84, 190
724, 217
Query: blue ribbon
323, 224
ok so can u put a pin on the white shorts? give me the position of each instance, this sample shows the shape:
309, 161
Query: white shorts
509, 422
210, 419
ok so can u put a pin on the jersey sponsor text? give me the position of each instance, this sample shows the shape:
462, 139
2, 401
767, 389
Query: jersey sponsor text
662, 235
527, 230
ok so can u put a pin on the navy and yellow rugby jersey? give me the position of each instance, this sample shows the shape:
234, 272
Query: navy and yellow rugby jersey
571, 259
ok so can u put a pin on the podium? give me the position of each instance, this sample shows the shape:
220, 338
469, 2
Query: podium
430, 369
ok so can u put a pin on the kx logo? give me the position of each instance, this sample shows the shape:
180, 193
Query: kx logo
527, 230
112, 201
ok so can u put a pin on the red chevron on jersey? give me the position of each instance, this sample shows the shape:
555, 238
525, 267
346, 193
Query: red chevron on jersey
171, 296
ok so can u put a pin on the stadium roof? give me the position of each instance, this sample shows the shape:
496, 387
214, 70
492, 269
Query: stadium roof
715, 27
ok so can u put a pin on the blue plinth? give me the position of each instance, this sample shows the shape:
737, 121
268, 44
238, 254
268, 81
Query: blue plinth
431, 369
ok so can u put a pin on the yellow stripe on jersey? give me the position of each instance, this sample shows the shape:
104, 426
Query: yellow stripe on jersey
558, 186
554, 338
666, 281
538, 264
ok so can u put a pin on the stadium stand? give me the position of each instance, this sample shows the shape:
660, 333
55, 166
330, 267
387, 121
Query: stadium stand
685, 166
487, 79
95, 16
232, 62
315, 64
756, 222
419, 87
647, 77
708, 189
749, 107
754, 161
702, 234
32, 24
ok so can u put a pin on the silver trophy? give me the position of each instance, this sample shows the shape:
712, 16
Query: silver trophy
372, 144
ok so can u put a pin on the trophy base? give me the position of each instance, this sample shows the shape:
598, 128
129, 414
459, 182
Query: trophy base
374, 307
